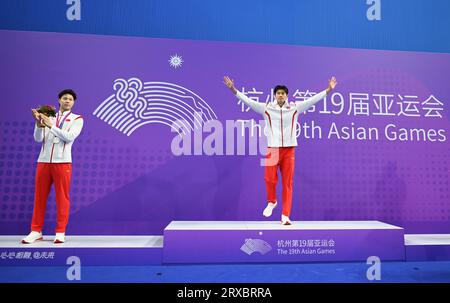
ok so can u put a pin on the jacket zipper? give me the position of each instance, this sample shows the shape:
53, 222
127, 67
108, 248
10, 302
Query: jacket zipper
43, 142
51, 155
282, 139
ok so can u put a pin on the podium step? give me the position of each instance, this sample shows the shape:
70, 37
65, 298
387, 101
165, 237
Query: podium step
427, 247
91, 250
266, 241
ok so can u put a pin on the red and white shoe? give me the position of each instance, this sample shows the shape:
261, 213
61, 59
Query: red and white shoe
60, 238
285, 220
269, 208
32, 237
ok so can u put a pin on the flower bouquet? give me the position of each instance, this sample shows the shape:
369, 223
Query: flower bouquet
46, 110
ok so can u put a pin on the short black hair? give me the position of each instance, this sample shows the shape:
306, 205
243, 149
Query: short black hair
280, 87
67, 91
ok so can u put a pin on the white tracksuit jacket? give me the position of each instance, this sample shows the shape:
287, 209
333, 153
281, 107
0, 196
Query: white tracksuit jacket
58, 152
281, 122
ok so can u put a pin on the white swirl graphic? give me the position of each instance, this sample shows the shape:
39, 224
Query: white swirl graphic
135, 104
256, 245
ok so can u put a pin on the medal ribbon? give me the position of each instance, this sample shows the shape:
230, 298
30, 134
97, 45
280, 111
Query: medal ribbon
58, 120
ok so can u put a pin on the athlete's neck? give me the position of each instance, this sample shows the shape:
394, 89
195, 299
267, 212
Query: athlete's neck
63, 112
281, 103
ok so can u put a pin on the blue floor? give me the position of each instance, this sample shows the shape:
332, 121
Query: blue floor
407, 272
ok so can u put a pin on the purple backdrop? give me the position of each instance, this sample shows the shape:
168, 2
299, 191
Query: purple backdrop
127, 179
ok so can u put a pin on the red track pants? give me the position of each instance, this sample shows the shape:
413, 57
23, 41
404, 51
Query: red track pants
283, 158
59, 175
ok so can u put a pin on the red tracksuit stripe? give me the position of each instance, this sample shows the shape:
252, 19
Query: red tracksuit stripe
270, 121
292, 123
43, 141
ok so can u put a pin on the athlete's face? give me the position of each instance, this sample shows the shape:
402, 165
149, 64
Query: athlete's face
280, 96
66, 102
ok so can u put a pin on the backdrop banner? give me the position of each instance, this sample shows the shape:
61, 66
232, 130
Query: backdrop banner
164, 139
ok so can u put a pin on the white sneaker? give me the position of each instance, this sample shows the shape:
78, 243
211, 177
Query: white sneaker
269, 208
285, 220
60, 238
32, 237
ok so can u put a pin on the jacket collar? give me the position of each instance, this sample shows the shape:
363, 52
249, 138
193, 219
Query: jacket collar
285, 105
64, 113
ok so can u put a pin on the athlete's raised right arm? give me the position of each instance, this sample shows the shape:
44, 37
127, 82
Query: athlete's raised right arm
256, 106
